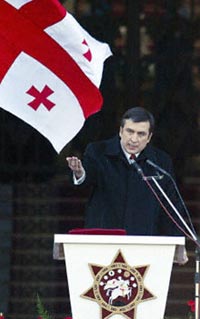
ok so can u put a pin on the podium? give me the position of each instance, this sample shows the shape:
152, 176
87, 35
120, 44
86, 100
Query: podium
117, 276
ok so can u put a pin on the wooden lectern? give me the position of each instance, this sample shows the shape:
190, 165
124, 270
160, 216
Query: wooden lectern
117, 276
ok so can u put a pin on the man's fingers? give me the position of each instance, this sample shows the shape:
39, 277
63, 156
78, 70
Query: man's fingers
74, 163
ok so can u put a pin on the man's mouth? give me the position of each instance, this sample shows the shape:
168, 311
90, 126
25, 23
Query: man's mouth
133, 147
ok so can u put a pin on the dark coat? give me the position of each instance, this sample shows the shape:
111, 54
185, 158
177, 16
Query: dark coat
120, 198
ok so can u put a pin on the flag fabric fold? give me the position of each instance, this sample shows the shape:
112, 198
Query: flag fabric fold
51, 68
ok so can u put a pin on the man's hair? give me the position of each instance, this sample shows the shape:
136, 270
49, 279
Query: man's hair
139, 114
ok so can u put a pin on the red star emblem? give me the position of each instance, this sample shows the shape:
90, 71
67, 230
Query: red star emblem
118, 288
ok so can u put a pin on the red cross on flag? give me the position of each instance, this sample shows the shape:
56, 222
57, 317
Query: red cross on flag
51, 68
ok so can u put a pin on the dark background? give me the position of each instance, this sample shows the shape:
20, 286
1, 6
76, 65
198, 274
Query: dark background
155, 64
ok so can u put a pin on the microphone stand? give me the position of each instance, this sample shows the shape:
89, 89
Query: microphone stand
193, 237
175, 210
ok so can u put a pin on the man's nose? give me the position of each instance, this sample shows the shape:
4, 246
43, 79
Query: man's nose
134, 137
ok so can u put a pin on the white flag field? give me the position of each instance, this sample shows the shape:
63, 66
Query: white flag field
51, 68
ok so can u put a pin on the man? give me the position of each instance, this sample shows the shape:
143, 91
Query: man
120, 197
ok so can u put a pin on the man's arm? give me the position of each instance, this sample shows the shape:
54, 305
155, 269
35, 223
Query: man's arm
85, 170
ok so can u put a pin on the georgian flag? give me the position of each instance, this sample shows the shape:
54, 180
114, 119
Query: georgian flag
50, 68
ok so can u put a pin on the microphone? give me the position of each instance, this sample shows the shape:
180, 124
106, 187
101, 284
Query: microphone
138, 168
158, 168
141, 173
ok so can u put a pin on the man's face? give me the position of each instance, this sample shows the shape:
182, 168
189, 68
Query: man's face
135, 136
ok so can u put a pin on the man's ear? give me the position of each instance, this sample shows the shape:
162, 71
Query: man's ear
120, 131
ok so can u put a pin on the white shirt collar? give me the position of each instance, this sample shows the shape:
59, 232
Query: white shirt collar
128, 155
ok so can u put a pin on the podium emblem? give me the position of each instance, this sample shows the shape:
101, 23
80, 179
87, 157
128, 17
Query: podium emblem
118, 288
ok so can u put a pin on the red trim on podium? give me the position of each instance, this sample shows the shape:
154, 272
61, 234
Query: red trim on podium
97, 231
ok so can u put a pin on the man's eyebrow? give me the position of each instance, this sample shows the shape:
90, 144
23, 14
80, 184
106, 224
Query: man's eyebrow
132, 130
